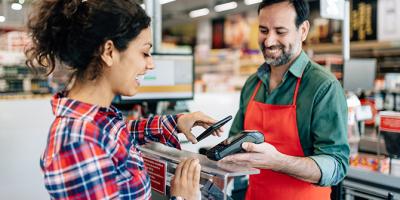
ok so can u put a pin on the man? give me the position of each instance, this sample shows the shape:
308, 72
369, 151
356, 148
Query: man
299, 107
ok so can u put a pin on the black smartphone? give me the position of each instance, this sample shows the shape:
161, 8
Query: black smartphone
213, 128
234, 144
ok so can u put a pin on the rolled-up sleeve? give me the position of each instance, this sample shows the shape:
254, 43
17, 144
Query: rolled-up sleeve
329, 132
163, 129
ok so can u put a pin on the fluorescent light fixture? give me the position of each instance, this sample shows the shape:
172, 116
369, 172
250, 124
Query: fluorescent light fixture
2, 19
16, 6
249, 2
165, 1
199, 12
226, 6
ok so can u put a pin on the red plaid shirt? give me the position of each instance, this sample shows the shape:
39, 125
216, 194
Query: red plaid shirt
91, 151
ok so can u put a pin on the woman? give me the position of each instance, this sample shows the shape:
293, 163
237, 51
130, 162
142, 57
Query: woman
91, 151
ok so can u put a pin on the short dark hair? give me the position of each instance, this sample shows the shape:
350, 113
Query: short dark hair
74, 32
301, 7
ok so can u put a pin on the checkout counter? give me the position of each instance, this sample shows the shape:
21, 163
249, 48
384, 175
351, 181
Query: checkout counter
365, 184
375, 174
161, 162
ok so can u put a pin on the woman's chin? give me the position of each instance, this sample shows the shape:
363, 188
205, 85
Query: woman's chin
131, 93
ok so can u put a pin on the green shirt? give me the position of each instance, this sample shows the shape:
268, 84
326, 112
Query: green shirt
321, 113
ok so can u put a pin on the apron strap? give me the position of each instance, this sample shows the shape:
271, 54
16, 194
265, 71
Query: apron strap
255, 91
296, 91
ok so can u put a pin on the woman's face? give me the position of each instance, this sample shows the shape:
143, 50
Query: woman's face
129, 65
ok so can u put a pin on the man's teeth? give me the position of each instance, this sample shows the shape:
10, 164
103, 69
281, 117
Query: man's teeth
272, 51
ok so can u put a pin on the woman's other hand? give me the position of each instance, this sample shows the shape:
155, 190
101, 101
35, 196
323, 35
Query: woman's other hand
186, 182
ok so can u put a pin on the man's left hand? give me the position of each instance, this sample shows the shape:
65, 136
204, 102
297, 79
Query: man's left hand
262, 155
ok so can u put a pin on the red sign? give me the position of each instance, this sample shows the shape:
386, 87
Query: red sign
157, 171
390, 124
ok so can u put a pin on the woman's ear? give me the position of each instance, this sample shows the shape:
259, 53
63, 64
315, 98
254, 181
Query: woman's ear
108, 54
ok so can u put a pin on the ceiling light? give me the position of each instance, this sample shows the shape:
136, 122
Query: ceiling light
226, 6
16, 6
143, 6
199, 12
249, 2
21, 1
165, 1
2, 19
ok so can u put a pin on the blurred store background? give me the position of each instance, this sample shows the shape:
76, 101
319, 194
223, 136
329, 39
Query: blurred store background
222, 37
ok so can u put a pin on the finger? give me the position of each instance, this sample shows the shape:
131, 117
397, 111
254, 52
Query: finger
173, 179
226, 142
192, 169
189, 135
220, 131
204, 125
185, 168
178, 170
196, 177
251, 147
240, 157
204, 118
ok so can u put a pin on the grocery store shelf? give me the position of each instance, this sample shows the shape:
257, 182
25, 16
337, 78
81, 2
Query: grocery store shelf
13, 96
366, 48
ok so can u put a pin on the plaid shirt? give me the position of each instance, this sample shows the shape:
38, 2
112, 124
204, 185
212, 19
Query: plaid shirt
91, 151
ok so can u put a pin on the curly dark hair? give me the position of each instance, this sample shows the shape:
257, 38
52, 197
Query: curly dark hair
74, 32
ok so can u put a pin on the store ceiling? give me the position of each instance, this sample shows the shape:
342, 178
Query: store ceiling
174, 13
177, 12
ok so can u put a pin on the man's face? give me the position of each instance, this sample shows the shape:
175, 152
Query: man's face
279, 38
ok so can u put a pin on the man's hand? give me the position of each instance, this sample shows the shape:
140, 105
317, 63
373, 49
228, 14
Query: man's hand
186, 182
266, 156
187, 121
262, 155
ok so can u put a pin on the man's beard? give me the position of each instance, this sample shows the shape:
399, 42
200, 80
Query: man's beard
283, 59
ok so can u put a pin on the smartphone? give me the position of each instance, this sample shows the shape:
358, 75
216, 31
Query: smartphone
213, 128
234, 144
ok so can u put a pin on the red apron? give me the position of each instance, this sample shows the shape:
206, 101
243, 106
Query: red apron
279, 126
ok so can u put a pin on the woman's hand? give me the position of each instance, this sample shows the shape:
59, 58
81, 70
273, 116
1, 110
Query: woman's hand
186, 182
187, 121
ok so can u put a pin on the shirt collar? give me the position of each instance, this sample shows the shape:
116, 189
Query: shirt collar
297, 67
66, 107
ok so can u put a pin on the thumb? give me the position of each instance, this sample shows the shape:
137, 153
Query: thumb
189, 135
251, 147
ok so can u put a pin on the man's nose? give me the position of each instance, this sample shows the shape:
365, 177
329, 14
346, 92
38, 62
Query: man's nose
270, 40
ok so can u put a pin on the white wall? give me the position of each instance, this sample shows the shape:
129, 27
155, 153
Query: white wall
24, 126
